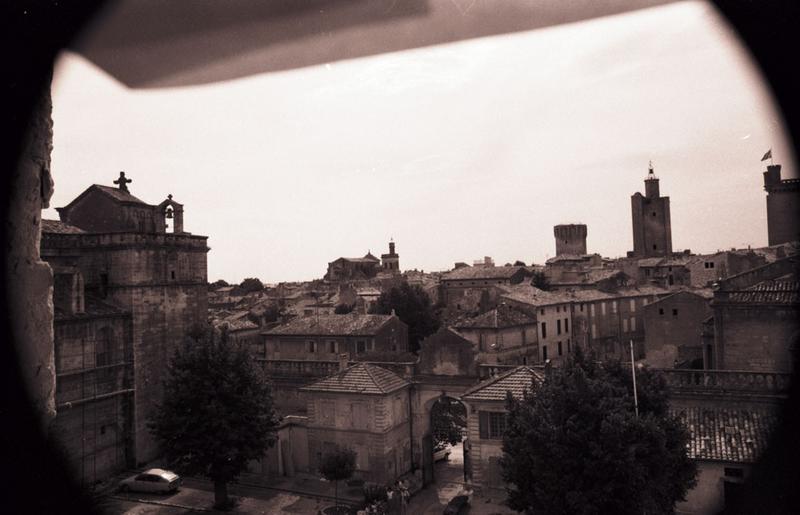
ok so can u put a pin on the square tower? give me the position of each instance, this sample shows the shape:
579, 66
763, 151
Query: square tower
652, 230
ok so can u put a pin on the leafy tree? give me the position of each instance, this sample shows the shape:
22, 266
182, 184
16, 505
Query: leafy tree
576, 446
448, 420
519, 263
251, 284
413, 306
217, 412
540, 281
338, 465
343, 309
220, 283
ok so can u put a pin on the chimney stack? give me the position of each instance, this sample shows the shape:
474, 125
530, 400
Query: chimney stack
344, 358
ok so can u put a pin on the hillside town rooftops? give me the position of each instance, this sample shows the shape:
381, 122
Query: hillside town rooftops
350, 324
362, 378
734, 435
58, 227
517, 381
482, 272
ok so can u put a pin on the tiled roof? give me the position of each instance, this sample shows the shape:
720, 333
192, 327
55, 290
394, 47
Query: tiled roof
528, 294
57, 227
359, 378
517, 381
481, 272
736, 435
570, 257
777, 291
333, 325
237, 324
501, 316
118, 194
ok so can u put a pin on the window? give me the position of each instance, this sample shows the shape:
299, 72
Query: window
361, 346
734, 472
332, 347
614, 306
625, 325
102, 350
541, 311
647, 272
633, 305
581, 306
594, 331
655, 247
558, 326
544, 329
491, 424
524, 337
544, 352
654, 213
660, 311
566, 325
103, 285
674, 312
559, 349
312, 346
558, 309
592, 309
172, 274
633, 323
568, 350
603, 308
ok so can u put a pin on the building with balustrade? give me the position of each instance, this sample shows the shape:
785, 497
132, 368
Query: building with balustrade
139, 258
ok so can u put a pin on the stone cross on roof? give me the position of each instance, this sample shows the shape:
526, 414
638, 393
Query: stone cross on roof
123, 182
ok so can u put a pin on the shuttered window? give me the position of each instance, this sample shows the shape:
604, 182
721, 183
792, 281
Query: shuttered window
491, 425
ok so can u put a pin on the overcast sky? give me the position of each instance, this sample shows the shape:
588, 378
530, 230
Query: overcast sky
456, 151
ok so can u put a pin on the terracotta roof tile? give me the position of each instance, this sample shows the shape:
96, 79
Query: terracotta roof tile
350, 324
517, 381
482, 272
499, 317
118, 194
359, 378
772, 292
735, 435
57, 227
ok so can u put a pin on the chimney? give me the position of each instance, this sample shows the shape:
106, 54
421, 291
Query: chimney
344, 358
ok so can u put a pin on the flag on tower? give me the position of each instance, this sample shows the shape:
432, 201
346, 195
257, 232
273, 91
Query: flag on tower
768, 155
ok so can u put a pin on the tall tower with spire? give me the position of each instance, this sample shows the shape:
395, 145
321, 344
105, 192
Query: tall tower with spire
652, 230
391, 262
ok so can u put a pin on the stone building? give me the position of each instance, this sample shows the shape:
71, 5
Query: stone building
462, 289
652, 229
127, 257
664, 271
486, 421
704, 270
783, 206
364, 408
570, 239
755, 322
391, 262
326, 337
94, 376
503, 335
673, 328
348, 269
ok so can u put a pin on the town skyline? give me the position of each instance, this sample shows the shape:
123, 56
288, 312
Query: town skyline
566, 141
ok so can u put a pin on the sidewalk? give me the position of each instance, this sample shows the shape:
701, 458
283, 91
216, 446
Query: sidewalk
305, 484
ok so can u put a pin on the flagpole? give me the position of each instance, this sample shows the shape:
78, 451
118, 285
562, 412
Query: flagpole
633, 374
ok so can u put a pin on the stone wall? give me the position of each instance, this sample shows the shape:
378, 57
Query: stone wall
672, 324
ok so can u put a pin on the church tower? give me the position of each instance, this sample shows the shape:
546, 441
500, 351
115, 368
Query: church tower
391, 262
783, 206
652, 230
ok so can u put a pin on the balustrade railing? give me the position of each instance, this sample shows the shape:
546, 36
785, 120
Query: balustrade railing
307, 368
721, 381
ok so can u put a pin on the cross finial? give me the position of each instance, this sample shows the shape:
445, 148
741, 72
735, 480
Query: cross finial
123, 182
650, 166
169, 196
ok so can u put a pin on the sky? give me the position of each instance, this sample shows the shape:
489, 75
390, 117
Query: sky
456, 151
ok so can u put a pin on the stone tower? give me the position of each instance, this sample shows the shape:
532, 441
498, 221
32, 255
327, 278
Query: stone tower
783, 206
652, 230
570, 239
391, 262
138, 257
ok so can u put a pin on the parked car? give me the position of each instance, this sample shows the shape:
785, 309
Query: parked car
441, 452
152, 480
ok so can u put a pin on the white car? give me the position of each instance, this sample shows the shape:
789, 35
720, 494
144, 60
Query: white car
152, 480
441, 453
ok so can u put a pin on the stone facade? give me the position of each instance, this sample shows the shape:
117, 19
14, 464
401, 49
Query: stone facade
673, 329
391, 262
570, 239
158, 277
705, 270
652, 229
350, 269
503, 334
783, 206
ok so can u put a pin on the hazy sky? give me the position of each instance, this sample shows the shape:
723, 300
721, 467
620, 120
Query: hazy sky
457, 151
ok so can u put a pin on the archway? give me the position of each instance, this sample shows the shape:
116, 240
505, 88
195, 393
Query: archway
447, 446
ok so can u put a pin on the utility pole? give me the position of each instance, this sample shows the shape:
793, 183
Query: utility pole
633, 374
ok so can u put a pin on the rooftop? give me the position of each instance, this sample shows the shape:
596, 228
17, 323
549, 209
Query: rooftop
777, 291
517, 381
482, 272
118, 194
501, 316
57, 227
333, 325
359, 378
735, 435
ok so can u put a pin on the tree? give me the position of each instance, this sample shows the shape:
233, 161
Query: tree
251, 284
219, 283
540, 281
519, 263
217, 412
338, 465
343, 309
575, 445
448, 420
413, 306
